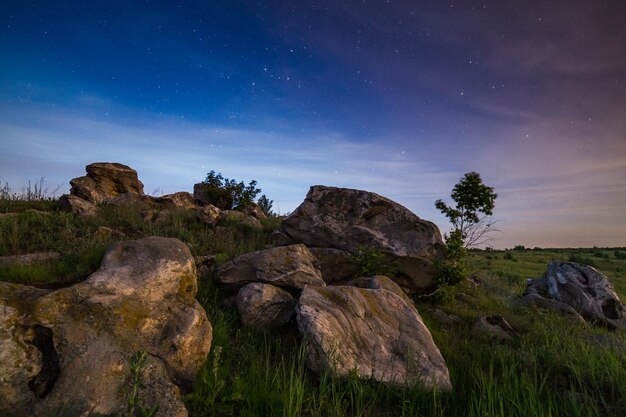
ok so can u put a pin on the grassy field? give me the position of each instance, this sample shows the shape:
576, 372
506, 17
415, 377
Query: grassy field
554, 367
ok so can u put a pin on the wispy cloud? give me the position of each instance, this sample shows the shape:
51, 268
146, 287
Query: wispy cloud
171, 155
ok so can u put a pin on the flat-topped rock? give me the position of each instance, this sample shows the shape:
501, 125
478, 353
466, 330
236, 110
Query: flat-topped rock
105, 181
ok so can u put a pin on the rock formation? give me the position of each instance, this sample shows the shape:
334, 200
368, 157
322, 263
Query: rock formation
372, 332
583, 288
284, 266
346, 219
68, 351
105, 181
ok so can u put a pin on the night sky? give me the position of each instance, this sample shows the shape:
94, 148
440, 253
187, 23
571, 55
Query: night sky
396, 97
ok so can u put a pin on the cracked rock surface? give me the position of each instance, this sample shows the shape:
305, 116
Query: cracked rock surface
68, 351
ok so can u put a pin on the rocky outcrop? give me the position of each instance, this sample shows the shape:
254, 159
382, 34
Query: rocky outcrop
264, 305
285, 266
69, 350
372, 332
105, 181
77, 205
346, 219
581, 287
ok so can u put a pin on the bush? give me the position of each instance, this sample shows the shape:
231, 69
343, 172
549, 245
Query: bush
228, 194
265, 204
619, 254
582, 260
370, 261
451, 270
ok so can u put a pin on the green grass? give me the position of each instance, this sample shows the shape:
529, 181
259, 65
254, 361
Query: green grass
554, 368
533, 263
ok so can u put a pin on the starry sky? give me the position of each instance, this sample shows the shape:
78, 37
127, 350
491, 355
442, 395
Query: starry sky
397, 97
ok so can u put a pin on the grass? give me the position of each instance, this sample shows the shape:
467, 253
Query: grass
554, 368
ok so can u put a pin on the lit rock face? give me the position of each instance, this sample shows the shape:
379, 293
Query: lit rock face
70, 349
373, 332
584, 289
105, 181
345, 219
284, 266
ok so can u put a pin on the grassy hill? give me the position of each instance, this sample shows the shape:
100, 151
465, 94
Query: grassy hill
554, 368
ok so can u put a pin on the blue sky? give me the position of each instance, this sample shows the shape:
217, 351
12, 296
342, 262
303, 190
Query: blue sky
399, 97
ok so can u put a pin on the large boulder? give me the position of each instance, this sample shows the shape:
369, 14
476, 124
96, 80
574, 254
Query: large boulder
69, 350
264, 305
284, 266
347, 219
581, 287
105, 181
372, 332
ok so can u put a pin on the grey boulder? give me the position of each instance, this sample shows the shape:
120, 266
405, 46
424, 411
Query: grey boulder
581, 287
347, 219
372, 332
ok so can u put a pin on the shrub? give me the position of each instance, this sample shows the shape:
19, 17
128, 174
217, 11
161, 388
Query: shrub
370, 261
265, 204
228, 194
451, 269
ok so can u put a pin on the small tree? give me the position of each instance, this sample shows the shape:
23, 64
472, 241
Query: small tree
266, 204
471, 216
472, 198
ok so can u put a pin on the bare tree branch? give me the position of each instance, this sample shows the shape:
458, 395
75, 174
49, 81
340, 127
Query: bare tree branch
477, 234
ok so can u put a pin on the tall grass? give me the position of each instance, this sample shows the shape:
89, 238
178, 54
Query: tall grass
554, 368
